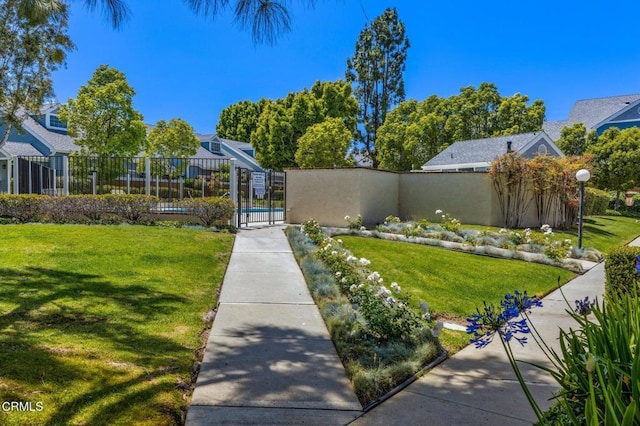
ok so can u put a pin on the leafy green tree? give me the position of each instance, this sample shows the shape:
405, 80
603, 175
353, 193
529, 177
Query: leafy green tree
169, 145
514, 116
238, 121
102, 117
282, 122
338, 101
617, 160
273, 138
412, 133
266, 19
573, 139
31, 48
173, 139
376, 70
324, 145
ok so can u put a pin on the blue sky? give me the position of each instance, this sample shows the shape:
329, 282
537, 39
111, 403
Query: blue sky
190, 67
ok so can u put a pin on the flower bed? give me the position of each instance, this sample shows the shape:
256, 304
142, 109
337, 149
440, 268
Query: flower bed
531, 246
381, 339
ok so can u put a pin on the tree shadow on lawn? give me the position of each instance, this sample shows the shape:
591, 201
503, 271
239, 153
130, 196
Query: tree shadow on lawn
59, 320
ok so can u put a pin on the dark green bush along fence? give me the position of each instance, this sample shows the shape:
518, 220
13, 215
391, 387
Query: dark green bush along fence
22, 208
621, 270
595, 201
210, 210
78, 208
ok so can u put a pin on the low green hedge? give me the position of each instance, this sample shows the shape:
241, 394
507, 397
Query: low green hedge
76, 208
595, 202
23, 208
210, 210
620, 269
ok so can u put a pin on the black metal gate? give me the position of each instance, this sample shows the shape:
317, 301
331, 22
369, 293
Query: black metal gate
261, 196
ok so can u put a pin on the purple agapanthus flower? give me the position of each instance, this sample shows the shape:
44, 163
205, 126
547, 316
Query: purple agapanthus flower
584, 306
505, 320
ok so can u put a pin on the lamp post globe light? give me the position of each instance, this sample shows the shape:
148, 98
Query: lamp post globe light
582, 176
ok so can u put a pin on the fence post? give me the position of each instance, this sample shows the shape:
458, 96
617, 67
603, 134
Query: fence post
65, 175
147, 175
16, 177
233, 186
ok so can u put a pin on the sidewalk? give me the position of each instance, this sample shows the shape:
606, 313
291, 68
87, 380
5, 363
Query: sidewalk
269, 358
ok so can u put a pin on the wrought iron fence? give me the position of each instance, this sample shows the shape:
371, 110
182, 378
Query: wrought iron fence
167, 178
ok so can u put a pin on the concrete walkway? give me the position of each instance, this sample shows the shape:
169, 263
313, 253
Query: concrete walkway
269, 358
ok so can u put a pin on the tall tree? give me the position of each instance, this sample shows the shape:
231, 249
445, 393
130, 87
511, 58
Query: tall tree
412, 133
169, 145
376, 70
31, 48
574, 139
238, 121
266, 19
324, 145
284, 121
102, 117
617, 160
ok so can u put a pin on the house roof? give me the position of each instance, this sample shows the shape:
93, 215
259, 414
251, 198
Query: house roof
590, 112
553, 128
59, 142
593, 111
481, 150
20, 148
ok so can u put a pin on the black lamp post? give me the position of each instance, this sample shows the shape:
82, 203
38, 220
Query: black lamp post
582, 175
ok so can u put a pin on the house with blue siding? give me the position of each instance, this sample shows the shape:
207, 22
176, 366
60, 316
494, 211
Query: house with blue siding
599, 114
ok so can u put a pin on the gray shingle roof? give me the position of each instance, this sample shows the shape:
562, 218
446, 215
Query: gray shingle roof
20, 148
59, 142
593, 111
480, 150
553, 128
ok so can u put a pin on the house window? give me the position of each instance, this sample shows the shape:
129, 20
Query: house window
542, 149
215, 147
54, 121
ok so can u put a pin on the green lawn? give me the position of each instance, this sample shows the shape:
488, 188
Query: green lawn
452, 283
101, 324
604, 232
599, 232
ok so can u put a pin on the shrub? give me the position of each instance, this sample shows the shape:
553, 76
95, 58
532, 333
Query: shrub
620, 270
130, 207
22, 207
59, 209
210, 210
93, 207
595, 201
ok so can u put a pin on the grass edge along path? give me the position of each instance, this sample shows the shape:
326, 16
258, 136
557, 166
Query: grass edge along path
102, 324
